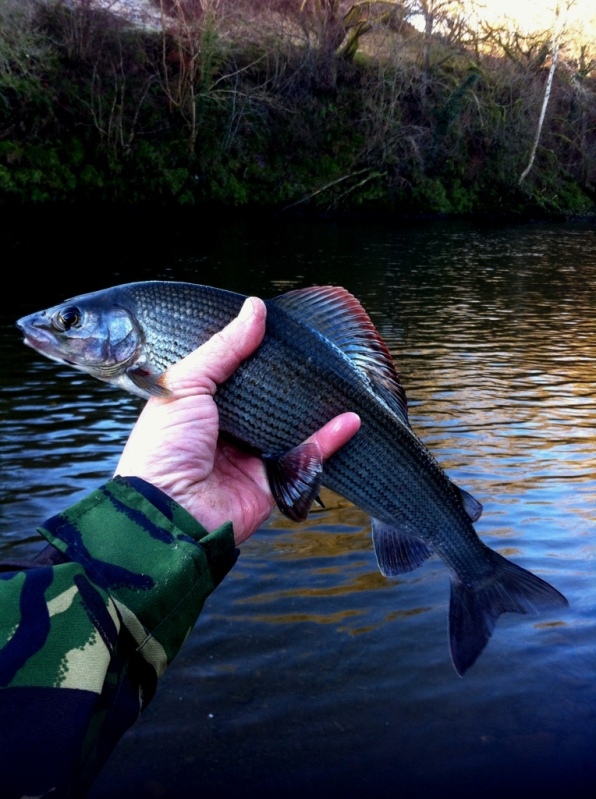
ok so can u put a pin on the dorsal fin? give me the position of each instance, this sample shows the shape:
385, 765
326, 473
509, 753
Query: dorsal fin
338, 316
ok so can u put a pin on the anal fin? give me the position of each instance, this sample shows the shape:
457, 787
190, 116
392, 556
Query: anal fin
397, 550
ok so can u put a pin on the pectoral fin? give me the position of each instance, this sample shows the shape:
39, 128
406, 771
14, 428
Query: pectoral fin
295, 479
397, 549
148, 383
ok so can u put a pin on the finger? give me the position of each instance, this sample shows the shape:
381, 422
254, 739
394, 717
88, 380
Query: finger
336, 433
213, 362
329, 439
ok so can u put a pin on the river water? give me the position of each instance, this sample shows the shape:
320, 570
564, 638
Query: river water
308, 672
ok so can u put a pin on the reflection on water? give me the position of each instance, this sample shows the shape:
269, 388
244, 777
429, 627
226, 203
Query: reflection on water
308, 671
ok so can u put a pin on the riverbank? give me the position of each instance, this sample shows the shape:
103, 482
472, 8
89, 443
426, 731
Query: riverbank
241, 112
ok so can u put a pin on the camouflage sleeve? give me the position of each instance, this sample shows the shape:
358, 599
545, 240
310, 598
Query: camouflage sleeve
83, 643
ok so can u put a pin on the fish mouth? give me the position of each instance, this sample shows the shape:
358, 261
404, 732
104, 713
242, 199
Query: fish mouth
36, 338
41, 341
47, 351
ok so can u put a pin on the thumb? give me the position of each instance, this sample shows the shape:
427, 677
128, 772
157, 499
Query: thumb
217, 359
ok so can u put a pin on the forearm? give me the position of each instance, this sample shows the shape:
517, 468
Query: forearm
82, 641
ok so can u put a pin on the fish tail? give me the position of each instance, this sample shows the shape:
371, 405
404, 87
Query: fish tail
475, 607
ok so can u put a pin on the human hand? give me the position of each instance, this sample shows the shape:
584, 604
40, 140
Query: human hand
175, 443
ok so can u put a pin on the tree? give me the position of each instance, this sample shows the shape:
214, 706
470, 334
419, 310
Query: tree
191, 51
558, 23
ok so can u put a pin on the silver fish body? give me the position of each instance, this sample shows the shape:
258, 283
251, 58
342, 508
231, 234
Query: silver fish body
321, 356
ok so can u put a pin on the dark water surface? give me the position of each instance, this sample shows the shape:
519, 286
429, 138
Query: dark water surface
308, 673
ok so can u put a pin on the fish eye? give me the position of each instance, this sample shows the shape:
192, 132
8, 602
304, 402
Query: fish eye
65, 319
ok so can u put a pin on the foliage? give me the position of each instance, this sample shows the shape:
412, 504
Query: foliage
233, 104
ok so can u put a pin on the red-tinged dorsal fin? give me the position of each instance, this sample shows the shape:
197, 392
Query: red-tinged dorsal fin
338, 316
295, 479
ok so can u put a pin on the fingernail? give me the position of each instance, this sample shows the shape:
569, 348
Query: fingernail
247, 310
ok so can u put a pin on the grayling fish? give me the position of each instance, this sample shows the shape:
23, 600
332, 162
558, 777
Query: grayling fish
321, 356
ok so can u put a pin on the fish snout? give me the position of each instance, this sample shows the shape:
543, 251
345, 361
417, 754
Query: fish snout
38, 321
37, 333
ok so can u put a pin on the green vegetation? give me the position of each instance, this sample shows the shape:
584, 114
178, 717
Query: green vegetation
285, 104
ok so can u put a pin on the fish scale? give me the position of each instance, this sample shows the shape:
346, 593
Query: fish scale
320, 356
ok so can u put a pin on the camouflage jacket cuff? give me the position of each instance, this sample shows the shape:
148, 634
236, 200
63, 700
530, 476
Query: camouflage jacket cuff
154, 560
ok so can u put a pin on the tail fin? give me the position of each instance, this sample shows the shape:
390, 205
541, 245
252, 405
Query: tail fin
475, 608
